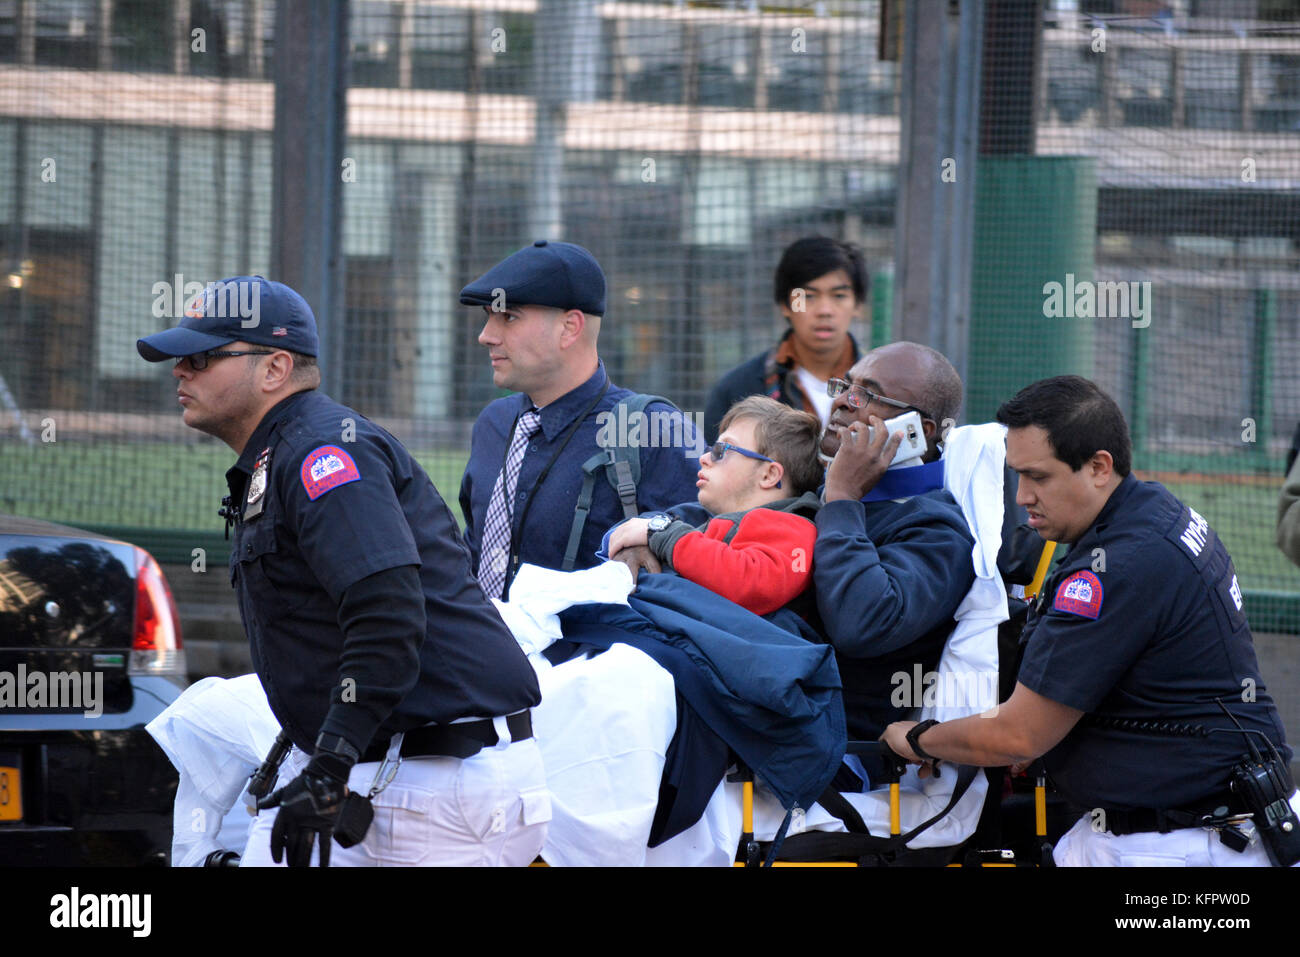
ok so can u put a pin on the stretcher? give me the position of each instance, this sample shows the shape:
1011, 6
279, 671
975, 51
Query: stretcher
859, 846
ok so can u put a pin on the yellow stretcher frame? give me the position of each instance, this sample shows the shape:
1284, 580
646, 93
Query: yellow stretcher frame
895, 813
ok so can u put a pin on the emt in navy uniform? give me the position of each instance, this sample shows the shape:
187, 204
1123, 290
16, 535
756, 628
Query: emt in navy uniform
374, 643
1138, 685
543, 308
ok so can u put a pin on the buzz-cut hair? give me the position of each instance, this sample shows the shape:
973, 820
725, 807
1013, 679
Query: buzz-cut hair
789, 436
305, 369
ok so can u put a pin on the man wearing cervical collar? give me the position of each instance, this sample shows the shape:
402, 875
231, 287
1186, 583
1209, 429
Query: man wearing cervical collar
893, 555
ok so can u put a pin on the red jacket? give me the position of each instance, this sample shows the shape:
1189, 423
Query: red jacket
760, 559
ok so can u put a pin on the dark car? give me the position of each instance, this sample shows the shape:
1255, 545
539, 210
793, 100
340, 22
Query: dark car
90, 652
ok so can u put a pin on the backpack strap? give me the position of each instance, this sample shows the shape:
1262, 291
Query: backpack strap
583, 507
621, 450
622, 470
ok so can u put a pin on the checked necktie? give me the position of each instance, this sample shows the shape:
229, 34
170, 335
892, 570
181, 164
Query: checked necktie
494, 547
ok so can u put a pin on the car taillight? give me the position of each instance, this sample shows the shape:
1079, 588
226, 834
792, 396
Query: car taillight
156, 648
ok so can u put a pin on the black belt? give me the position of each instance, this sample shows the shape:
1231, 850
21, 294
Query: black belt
462, 740
1140, 820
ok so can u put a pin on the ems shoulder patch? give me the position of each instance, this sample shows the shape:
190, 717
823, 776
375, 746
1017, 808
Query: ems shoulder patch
325, 468
1079, 594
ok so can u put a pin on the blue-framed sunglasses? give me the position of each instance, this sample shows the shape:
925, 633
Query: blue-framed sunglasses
718, 450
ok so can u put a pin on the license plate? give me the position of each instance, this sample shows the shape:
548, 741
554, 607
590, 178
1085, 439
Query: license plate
11, 794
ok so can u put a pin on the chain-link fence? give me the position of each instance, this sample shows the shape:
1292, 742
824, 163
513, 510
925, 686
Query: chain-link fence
1189, 129
1137, 211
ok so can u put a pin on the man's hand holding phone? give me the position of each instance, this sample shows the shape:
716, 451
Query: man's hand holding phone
863, 457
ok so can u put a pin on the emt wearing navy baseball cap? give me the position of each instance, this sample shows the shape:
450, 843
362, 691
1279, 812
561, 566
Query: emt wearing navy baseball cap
231, 310
367, 629
543, 307
236, 318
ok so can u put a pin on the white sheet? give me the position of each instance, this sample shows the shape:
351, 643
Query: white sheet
216, 734
604, 726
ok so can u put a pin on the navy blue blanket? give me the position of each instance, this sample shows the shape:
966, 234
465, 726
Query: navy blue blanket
772, 696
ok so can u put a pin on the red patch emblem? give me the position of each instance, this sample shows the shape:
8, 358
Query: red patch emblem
325, 468
1080, 594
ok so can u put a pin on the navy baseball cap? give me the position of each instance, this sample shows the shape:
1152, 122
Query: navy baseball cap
241, 309
561, 275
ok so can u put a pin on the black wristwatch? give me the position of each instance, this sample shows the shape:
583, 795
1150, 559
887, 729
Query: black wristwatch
659, 522
915, 733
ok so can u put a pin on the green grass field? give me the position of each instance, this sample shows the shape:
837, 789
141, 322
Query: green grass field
179, 487
176, 487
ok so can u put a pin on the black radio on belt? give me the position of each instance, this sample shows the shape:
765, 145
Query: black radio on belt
1265, 787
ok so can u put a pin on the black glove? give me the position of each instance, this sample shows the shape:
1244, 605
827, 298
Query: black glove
309, 805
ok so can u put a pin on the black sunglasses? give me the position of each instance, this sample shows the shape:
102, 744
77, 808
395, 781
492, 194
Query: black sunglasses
199, 361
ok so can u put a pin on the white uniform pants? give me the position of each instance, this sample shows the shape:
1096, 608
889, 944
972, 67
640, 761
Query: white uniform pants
1081, 846
491, 809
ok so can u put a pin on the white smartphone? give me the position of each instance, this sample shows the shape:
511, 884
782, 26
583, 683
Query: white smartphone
913, 444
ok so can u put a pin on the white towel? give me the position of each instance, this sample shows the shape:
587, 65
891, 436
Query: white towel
538, 595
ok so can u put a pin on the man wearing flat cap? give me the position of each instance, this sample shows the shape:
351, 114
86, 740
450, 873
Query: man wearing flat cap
525, 476
373, 642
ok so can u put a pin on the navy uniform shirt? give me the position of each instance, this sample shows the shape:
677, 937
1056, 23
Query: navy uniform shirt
543, 514
1143, 622
343, 500
889, 577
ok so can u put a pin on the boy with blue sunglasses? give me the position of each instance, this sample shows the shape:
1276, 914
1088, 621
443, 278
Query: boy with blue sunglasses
757, 486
